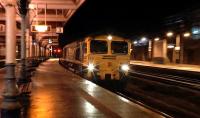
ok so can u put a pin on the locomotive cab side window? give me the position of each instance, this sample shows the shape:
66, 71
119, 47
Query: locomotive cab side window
98, 47
77, 57
84, 48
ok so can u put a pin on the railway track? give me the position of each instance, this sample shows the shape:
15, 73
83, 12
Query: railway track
172, 95
169, 95
125, 95
191, 83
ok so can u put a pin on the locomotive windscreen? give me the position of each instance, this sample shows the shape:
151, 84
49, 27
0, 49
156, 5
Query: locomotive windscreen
119, 47
99, 47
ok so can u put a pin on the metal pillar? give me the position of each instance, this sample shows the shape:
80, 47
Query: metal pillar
27, 44
23, 73
10, 106
31, 46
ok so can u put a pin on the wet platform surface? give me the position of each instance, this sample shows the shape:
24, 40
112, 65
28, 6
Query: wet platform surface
57, 93
185, 67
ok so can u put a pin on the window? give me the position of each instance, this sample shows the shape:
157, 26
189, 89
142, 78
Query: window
98, 47
77, 56
84, 48
119, 47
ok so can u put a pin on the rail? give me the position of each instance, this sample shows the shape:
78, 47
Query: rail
169, 79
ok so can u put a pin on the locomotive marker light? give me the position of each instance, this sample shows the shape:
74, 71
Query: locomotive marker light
125, 67
90, 67
109, 37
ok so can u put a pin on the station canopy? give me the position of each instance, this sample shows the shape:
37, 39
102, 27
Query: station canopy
46, 19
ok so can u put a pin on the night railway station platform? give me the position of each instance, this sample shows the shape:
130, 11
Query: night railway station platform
58, 93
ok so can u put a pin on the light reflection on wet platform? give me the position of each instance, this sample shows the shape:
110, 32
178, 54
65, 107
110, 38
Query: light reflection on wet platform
57, 93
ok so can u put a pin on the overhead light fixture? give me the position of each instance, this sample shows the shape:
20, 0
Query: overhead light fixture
34, 43
170, 34
41, 28
157, 39
177, 48
187, 34
32, 6
170, 46
195, 32
143, 39
135, 42
50, 41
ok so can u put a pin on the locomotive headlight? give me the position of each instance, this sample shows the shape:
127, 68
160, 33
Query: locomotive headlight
125, 67
91, 67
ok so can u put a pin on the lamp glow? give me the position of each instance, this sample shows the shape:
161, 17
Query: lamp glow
177, 48
91, 67
143, 39
170, 46
125, 67
135, 42
187, 34
195, 32
109, 37
31, 6
157, 39
41, 28
170, 34
50, 41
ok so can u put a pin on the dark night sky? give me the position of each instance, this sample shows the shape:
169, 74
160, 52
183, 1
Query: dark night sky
124, 17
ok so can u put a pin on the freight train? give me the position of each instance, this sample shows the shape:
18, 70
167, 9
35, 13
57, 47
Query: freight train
102, 57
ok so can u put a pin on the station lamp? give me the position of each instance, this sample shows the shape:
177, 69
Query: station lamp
34, 43
170, 46
187, 34
41, 28
135, 42
195, 30
157, 39
143, 39
169, 34
177, 48
32, 6
50, 41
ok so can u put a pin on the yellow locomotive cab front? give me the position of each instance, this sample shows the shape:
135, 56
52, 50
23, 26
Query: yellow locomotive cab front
108, 58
